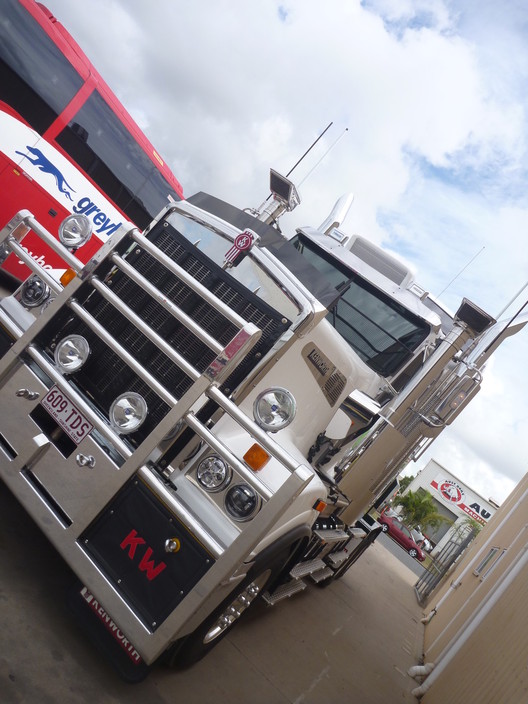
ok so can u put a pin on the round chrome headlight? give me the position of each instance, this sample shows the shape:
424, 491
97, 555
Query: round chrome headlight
241, 502
75, 230
34, 292
71, 353
274, 409
128, 412
213, 473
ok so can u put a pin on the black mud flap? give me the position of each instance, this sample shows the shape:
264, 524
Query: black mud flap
107, 637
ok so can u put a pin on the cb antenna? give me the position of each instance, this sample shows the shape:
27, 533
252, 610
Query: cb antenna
461, 270
305, 153
309, 149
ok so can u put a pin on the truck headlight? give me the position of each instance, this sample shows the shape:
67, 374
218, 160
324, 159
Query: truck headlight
34, 292
75, 230
241, 502
274, 409
71, 353
128, 412
213, 473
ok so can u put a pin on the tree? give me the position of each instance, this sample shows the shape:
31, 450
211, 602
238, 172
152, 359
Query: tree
467, 527
404, 482
418, 508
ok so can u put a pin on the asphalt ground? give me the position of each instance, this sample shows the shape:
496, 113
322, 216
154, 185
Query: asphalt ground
350, 642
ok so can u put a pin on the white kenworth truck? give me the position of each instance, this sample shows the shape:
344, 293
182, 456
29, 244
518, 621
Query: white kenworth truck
203, 413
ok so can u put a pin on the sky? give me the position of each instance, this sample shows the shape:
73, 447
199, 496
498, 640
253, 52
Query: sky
427, 100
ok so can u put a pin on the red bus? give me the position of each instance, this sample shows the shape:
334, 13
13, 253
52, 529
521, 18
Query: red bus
67, 145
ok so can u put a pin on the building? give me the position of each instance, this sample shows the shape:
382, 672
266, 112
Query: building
476, 622
454, 500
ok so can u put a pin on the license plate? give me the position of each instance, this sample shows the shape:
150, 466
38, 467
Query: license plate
67, 415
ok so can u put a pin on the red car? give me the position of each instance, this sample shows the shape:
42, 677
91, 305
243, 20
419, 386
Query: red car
402, 535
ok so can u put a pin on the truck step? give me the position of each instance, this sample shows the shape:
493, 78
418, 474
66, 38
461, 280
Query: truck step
337, 558
303, 569
284, 591
331, 535
322, 574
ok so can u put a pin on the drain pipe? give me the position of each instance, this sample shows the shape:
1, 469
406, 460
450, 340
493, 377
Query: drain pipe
432, 613
481, 614
421, 670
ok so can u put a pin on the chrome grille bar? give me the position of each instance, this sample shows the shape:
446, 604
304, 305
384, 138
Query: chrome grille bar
153, 336
230, 458
20, 225
161, 298
28, 259
139, 369
185, 516
100, 424
252, 428
195, 285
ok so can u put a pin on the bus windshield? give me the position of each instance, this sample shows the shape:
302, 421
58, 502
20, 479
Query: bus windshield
381, 331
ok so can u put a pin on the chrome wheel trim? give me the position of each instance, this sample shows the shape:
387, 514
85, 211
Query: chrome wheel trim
236, 608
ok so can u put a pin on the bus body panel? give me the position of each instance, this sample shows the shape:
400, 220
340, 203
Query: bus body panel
35, 172
47, 87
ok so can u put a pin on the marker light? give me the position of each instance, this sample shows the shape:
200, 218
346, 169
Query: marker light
213, 473
256, 457
241, 502
68, 276
274, 409
71, 353
459, 398
319, 505
128, 412
75, 230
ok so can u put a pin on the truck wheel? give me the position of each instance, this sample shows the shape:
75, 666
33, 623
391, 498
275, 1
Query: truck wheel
413, 552
218, 624
265, 573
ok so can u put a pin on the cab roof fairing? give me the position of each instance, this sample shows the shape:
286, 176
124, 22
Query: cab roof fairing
403, 295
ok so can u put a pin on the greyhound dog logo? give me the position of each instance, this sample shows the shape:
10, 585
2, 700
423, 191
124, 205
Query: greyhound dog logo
45, 165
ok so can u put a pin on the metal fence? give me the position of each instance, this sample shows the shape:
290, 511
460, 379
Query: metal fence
440, 565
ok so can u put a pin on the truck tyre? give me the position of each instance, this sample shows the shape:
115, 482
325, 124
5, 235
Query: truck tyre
413, 552
221, 621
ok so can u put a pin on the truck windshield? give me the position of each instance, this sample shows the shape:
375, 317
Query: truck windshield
381, 331
248, 272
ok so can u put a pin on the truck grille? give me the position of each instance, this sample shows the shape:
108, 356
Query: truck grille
106, 375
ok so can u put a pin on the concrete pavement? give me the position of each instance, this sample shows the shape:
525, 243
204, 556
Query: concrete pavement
351, 642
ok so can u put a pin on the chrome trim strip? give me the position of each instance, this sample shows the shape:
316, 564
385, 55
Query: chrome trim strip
186, 517
229, 457
196, 286
66, 388
168, 305
149, 332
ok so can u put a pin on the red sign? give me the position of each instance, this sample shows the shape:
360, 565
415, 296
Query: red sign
146, 565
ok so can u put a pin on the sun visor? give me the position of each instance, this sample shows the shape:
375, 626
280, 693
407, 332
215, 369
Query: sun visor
270, 238
307, 274
234, 216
